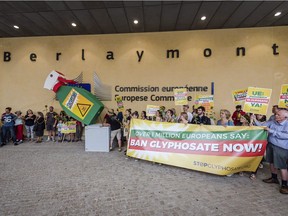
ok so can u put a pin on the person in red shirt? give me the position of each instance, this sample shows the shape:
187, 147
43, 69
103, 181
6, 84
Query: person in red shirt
237, 115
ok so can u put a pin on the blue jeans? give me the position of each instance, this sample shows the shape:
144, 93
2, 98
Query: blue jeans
11, 129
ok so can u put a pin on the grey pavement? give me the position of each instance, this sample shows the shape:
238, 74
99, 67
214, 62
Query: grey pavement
62, 179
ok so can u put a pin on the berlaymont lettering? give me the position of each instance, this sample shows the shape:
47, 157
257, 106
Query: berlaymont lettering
110, 55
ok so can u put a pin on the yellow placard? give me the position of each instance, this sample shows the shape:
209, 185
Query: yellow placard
257, 100
180, 96
68, 127
77, 104
283, 100
151, 110
207, 101
239, 96
120, 104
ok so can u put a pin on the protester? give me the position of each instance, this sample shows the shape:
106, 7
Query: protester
115, 125
201, 118
29, 124
277, 148
169, 116
158, 116
135, 115
51, 123
8, 120
59, 127
19, 127
143, 115
225, 118
260, 118
183, 118
186, 110
126, 123
237, 115
274, 110
39, 127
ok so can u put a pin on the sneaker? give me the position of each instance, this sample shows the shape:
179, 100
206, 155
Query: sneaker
284, 189
261, 166
119, 149
271, 180
48, 139
15, 143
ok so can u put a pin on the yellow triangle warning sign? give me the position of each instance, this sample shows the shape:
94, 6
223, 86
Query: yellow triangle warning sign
83, 108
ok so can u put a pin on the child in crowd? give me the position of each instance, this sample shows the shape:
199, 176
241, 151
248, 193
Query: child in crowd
59, 127
39, 127
78, 131
19, 127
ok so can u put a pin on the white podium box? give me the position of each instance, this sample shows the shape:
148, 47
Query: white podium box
97, 138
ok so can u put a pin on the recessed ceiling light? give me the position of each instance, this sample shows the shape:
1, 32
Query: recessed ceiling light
277, 13
135, 22
74, 24
203, 18
16, 27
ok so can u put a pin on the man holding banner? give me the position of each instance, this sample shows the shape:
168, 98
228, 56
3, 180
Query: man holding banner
277, 148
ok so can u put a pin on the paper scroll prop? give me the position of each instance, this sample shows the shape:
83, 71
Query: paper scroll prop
76, 102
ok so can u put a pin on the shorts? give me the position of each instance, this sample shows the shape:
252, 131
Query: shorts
116, 133
50, 127
277, 156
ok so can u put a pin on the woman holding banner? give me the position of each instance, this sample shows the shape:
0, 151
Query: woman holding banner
225, 118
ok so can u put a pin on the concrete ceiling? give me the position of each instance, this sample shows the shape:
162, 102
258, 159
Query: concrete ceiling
49, 18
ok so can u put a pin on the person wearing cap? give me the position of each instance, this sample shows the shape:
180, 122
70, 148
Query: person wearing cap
277, 147
237, 115
51, 123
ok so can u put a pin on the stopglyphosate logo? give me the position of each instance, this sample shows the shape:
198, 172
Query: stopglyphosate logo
77, 104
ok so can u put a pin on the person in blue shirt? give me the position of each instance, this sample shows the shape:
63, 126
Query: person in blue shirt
277, 147
8, 120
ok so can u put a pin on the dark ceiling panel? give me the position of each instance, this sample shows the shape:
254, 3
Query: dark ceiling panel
260, 12
55, 21
225, 11
9, 30
151, 3
114, 4
27, 26
75, 5
5, 7
102, 18
241, 13
187, 15
40, 21
169, 16
283, 20
133, 3
152, 17
270, 18
119, 19
94, 4
68, 17
106, 17
132, 14
57, 5
20, 7
87, 21
39, 6
206, 9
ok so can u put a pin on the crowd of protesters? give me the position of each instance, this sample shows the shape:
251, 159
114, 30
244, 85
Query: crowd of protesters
276, 127
35, 124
